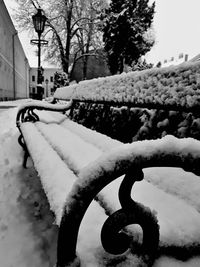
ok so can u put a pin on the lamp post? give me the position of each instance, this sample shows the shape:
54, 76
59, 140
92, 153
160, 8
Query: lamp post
46, 81
39, 20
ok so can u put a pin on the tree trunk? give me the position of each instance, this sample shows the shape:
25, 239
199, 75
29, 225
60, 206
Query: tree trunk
65, 60
121, 64
85, 65
65, 65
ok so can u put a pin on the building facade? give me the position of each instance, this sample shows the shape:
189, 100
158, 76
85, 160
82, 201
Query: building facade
47, 81
14, 66
97, 67
175, 60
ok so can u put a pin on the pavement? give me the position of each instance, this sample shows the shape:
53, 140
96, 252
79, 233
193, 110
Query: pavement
5, 107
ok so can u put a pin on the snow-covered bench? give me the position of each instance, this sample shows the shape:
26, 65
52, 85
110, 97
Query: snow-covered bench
75, 165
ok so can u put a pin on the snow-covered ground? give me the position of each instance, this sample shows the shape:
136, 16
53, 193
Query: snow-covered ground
28, 233
25, 234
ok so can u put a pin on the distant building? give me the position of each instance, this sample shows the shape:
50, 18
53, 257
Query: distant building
17, 79
175, 60
195, 59
14, 66
47, 81
97, 67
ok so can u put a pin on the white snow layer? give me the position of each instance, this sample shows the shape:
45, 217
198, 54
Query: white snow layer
56, 177
19, 245
176, 228
43, 104
175, 85
171, 192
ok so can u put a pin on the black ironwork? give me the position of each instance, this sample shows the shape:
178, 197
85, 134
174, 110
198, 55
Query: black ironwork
195, 108
27, 114
21, 141
39, 20
42, 42
23, 145
114, 238
87, 188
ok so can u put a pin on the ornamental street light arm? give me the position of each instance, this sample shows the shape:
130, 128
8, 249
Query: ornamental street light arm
39, 20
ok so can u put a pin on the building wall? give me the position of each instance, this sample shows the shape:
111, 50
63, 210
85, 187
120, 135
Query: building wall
47, 83
97, 67
14, 67
175, 60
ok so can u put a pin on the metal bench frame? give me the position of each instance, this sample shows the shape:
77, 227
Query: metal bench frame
113, 239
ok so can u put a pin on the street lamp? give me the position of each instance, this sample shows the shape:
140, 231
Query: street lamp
46, 81
39, 20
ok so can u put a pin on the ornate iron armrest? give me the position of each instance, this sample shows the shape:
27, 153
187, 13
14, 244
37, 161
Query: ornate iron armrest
95, 177
26, 111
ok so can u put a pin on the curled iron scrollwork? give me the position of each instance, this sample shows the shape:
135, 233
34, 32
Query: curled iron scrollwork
21, 141
27, 114
23, 145
31, 116
115, 239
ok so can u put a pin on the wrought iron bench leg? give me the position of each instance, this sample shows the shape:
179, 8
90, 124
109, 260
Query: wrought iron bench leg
113, 239
26, 153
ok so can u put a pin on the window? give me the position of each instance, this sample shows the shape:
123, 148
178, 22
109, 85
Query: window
42, 78
33, 78
180, 55
33, 90
51, 79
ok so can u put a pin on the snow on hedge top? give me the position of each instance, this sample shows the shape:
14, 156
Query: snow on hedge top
175, 85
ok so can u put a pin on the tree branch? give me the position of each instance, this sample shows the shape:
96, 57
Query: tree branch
76, 22
33, 3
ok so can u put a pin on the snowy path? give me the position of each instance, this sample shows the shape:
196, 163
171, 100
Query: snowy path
21, 242
27, 232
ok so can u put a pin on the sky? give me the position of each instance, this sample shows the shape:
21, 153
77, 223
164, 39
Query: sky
176, 26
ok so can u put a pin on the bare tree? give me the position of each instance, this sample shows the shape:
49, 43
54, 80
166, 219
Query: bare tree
71, 28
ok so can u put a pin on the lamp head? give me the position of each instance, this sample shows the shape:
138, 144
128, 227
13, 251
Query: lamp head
39, 20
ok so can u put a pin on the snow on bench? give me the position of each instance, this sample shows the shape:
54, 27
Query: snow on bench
77, 165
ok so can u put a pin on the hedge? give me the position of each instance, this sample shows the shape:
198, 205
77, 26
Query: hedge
160, 101
176, 86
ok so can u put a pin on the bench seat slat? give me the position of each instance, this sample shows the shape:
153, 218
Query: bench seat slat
56, 178
64, 154
102, 141
172, 232
175, 228
73, 150
141, 192
50, 116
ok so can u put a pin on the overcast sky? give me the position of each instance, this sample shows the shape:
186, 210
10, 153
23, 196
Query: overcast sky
177, 30
176, 25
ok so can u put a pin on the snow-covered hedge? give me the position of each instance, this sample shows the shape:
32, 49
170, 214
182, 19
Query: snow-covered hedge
132, 124
175, 85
